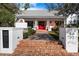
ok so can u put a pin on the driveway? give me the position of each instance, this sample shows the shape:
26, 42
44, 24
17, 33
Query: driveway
41, 36
41, 44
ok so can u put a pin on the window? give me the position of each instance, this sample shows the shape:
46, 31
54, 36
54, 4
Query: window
5, 34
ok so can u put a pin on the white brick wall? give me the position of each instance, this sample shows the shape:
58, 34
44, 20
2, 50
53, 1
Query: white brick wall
69, 38
15, 34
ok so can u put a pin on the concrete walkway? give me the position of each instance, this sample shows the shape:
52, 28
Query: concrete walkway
41, 35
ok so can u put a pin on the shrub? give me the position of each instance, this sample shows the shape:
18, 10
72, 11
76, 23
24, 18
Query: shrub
25, 35
29, 33
55, 33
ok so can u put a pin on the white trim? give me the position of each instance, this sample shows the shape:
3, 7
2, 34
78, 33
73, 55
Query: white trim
6, 50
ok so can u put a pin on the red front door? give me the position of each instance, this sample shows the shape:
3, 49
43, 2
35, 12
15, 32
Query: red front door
41, 25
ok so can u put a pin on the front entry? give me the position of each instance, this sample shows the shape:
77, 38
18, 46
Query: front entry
41, 25
30, 24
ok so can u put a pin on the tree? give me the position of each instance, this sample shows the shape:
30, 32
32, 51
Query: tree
11, 7
27, 5
7, 14
69, 8
6, 18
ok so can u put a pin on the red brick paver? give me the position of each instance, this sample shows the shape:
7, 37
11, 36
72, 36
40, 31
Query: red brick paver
40, 48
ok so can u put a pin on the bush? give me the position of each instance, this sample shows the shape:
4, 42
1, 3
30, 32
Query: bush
25, 35
55, 33
29, 33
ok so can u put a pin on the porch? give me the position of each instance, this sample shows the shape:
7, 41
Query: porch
44, 23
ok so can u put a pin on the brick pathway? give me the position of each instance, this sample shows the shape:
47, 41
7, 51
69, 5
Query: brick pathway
41, 48
40, 44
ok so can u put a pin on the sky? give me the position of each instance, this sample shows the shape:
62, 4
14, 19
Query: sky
42, 5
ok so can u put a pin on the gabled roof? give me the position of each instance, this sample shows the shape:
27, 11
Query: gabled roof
38, 14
